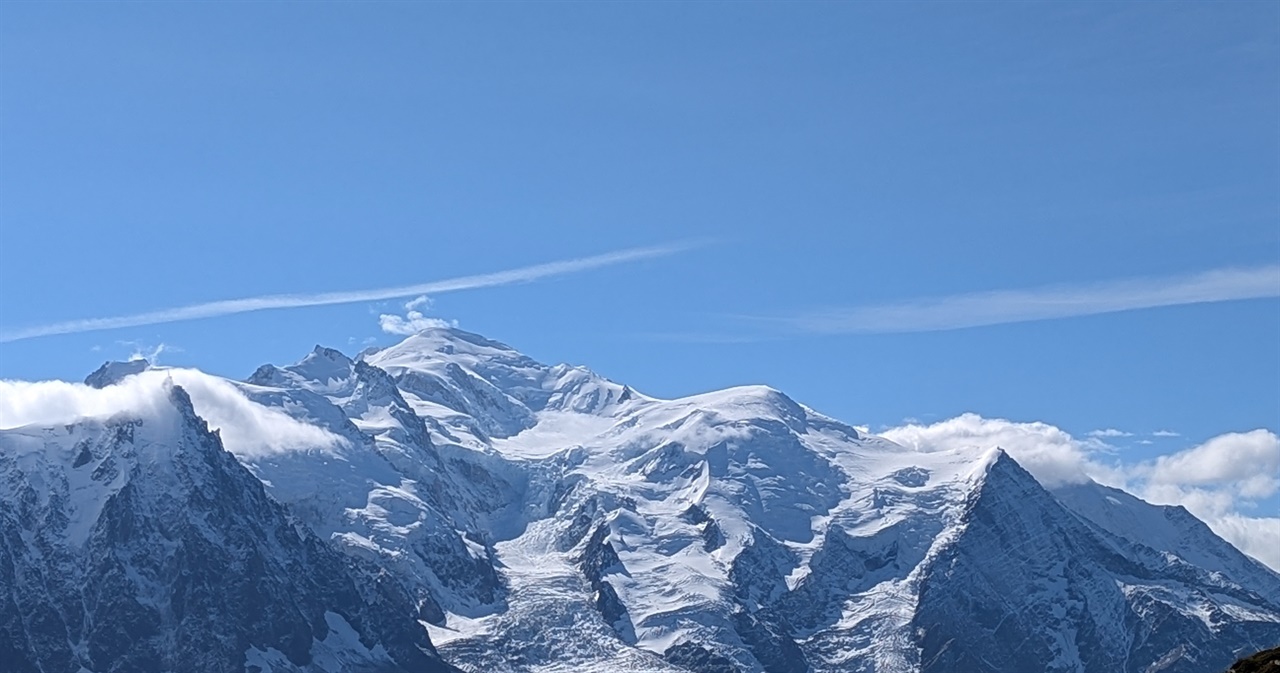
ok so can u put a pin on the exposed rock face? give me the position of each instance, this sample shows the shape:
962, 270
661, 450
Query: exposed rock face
1266, 661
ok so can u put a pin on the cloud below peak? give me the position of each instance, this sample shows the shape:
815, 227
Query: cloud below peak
248, 429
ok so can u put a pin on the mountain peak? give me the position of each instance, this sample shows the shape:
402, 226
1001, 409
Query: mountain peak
449, 341
997, 467
113, 372
327, 353
323, 365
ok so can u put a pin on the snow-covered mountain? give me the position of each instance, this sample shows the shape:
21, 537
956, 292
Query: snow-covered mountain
517, 516
137, 543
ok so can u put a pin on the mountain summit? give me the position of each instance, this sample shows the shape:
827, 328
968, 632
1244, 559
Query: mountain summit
483, 509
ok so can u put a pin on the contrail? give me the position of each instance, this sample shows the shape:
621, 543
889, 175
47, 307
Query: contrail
1045, 303
278, 301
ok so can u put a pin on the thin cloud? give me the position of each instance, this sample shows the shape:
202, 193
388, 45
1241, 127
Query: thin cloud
1045, 303
281, 301
699, 337
418, 303
151, 354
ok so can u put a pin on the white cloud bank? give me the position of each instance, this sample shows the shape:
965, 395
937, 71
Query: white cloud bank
1248, 462
1048, 452
248, 429
1220, 481
1045, 303
281, 301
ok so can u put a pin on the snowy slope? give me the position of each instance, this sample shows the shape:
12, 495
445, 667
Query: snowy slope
1166, 529
390, 496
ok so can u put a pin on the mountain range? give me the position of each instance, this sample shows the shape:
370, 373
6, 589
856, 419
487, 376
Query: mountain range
450, 504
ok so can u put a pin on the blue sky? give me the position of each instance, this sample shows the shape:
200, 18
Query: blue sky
787, 160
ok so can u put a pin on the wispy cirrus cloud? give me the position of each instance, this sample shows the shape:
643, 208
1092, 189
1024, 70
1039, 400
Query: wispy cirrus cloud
1044, 303
283, 301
